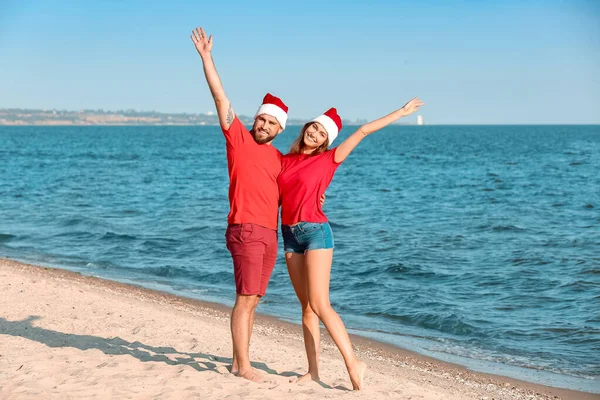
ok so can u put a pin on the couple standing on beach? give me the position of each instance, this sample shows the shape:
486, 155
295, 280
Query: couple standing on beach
261, 179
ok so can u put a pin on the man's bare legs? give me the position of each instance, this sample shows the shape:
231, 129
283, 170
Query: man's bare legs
242, 321
318, 269
310, 321
234, 364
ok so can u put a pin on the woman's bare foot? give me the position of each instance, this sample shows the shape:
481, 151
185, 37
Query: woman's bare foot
357, 374
250, 375
306, 377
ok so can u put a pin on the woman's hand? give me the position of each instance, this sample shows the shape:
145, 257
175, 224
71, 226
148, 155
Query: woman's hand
202, 43
322, 201
411, 106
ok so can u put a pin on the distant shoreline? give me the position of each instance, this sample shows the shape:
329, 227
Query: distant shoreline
45, 117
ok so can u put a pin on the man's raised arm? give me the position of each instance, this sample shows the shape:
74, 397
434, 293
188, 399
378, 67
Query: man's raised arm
204, 46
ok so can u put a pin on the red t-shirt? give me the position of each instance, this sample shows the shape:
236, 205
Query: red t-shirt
253, 170
302, 182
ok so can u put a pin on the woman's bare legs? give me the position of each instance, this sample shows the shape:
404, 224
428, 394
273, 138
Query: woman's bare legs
310, 321
318, 272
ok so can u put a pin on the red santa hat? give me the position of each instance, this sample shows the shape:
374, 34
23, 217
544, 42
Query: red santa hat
332, 123
274, 107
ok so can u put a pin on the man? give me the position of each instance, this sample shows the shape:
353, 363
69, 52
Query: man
253, 165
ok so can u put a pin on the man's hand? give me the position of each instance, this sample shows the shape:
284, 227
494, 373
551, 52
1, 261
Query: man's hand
204, 47
322, 200
202, 43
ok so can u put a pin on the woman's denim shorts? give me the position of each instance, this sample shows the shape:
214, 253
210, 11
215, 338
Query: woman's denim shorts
306, 236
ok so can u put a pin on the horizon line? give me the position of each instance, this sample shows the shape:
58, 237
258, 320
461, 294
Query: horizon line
292, 122
299, 125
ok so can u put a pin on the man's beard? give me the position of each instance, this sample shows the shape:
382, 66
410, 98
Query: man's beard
260, 139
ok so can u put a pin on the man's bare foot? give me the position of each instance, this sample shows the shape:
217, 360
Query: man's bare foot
306, 377
250, 375
357, 374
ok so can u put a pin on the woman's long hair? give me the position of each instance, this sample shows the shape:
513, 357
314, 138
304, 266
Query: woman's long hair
298, 146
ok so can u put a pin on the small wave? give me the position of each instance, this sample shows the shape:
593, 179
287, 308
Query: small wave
501, 228
397, 269
74, 234
174, 271
123, 157
6, 237
452, 323
337, 225
118, 236
571, 331
166, 271
195, 229
385, 249
98, 156
505, 228
529, 261
364, 285
71, 222
453, 238
581, 341
520, 360
101, 265
580, 285
373, 270
160, 243
592, 271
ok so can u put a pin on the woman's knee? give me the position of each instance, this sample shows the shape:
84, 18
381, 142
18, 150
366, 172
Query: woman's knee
319, 307
307, 310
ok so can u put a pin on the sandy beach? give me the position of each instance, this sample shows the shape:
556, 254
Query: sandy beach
68, 336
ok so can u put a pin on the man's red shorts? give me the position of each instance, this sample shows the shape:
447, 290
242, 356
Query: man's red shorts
254, 252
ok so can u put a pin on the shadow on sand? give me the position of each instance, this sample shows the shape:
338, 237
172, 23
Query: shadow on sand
118, 346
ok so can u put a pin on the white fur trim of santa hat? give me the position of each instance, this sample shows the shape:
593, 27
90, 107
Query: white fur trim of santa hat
329, 125
274, 111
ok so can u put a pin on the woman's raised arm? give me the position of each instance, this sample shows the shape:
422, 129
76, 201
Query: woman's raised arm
344, 149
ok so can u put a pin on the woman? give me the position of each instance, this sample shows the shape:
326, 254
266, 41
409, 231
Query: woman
308, 240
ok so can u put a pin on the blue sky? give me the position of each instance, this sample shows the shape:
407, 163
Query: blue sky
472, 62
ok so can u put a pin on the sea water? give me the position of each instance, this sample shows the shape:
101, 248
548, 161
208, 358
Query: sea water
474, 244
